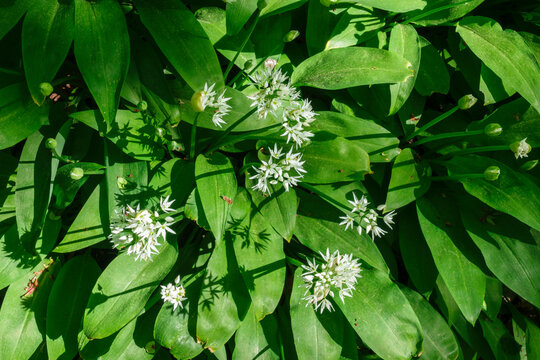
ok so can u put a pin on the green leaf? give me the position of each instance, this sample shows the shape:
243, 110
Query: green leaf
256, 340
47, 34
382, 317
315, 336
392, 5
492, 86
261, 260
216, 180
378, 142
334, 161
224, 299
348, 67
446, 239
129, 131
274, 7
438, 12
65, 308
317, 227
433, 76
175, 177
19, 116
501, 342
183, 41
404, 42
355, 26
513, 193
15, 261
22, 317
408, 181
102, 51
508, 248
439, 341
238, 13
12, 12
66, 188
123, 289
505, 53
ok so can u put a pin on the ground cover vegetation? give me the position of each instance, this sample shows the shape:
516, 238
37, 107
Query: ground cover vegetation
269, 179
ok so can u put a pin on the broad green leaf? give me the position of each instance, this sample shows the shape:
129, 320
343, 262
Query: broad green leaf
404, 41
19, 116
214, 22
315, 336
492, 86
348, 67
46, 38
499, 339
433, 76
378, 142
317, 227
382, 317
261, 260
399, 6
444, 233
65, 308
334, 161
438, 12
216, 181
408, 181
238, 13
505, 53
513, 193
355, 26
66, 188
102, 51
123, 289
224, 299
274, 7
15, 261
439, 341
508, 248
320, 24
256, 340
22, 317
12, 11
183, 41
193, 210
129, 131
415, 252
174, 178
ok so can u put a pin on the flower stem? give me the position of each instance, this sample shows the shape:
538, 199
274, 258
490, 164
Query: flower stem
249, 135
193, 135
292, 261
456, 177
250, 31
433, 122
479, 149
240, 73
447, 136
218, 142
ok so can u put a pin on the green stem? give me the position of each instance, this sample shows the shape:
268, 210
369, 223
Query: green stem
292, 261
447, 136
433, 11
218, 142
56, 155
250, 31
193, 135
10, 72
479, 149
456, 177
248, 136
240, 73
432, 123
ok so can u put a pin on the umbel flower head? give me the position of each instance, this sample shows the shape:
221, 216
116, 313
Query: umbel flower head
521, 148
208, 98
338, 273
280, 168
366, 218
140, 230
174, 293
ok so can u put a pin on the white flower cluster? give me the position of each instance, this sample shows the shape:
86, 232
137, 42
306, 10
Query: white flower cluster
521, 148
174, 294
366, 218
275, 92
279, 169
139, 230
338, 273
210, 99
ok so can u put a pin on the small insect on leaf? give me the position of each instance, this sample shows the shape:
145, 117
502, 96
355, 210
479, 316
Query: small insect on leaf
228, 200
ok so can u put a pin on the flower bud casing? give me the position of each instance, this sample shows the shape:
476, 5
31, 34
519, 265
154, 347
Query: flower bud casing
467, 102
76, 173
492, 173
493, 129
291, 35
50, 144
196, 102
46, 88
529, 165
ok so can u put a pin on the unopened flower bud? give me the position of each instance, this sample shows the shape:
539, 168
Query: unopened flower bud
196, 101
467, 102
529, 165
50, 144
76, 173
248, 64
126, 7
493, 129
143, 106
492, 173
46, 88
121, 182
270, 63
160, 131
520, 148
291, 35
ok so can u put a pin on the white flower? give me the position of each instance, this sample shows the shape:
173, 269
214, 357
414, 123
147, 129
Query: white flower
338, 273
348, 221
521, 148
389, 218
174, 294
140, 230
287, 170
270, 63
219, 104
359, 205
366, 218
